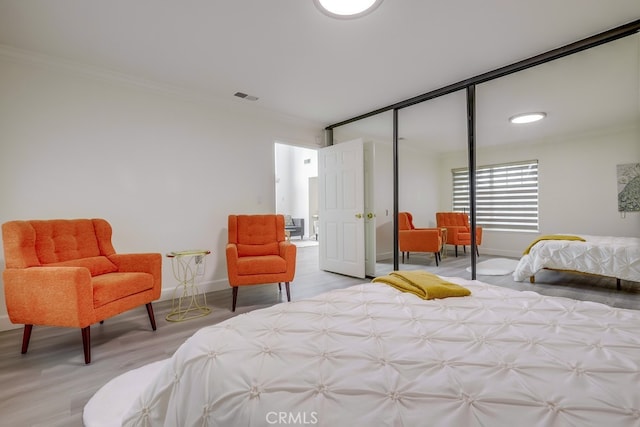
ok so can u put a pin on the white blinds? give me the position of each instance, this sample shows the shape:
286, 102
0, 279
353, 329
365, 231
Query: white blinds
506, 195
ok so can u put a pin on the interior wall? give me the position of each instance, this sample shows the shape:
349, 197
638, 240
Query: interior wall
294, 167
419, 191
419, 188
383, 197
164, 169
314, 208
577, 185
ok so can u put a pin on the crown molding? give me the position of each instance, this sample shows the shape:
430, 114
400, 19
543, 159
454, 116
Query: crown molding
60, 64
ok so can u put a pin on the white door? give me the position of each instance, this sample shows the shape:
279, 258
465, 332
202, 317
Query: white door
341, 208
370, 211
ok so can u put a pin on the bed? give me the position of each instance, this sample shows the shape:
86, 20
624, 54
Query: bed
372, 355
617, 257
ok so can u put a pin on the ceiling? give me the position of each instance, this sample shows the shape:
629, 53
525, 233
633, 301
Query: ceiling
594, 90
302, 63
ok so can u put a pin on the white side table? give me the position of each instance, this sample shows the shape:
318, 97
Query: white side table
187, 266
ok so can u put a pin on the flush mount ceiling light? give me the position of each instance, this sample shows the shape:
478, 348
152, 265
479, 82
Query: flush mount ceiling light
527, 117
347, 9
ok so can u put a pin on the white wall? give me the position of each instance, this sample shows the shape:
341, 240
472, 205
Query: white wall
164, 169
577, 185
419, 191
419, 185
383, 196
292, 181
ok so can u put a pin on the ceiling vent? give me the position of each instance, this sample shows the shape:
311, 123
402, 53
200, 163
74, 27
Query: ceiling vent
245, 96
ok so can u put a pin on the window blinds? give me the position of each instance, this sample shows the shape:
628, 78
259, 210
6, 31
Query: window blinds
506, 195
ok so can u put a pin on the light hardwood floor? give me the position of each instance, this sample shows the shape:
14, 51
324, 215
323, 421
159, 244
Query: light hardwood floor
50, 385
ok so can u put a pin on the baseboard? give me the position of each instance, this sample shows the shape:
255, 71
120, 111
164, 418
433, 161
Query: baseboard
383, 256
483, 251
204, 287
499, 252
6, 325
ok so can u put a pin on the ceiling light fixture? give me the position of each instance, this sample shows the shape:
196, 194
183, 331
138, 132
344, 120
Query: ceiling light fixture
347, 9
527, 117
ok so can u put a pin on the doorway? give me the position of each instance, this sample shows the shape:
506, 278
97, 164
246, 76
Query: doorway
297, 195
296, 173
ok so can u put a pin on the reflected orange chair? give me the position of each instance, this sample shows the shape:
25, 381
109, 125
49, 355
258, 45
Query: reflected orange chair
458, 229
65, 272
413, 239
258, 253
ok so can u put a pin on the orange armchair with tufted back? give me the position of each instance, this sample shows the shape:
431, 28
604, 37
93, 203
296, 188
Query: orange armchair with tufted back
65, 272
258, 253
412, 239
458, 229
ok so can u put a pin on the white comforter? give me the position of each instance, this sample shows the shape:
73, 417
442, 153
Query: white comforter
607, 256
370, 355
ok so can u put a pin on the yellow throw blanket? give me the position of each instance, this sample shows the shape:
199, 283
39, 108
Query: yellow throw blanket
422, 284
552, 237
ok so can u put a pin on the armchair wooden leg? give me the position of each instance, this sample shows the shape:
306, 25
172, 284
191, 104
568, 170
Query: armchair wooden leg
279, 287
435, 254
456, 251
26, 336
286, 285
477, 252
152, 318
86, 344
235, 298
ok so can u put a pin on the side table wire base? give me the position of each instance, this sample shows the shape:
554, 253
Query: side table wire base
186, 302
443, 248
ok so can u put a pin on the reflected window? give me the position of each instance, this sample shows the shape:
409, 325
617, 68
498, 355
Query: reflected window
506, 195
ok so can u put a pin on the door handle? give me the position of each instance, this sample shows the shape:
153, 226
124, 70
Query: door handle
370, 215
359, 215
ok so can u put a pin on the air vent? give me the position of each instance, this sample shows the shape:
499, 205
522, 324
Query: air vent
245, 96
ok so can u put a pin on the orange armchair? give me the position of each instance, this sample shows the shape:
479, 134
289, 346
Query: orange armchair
67, 273
458, 229
258, 253
413, 239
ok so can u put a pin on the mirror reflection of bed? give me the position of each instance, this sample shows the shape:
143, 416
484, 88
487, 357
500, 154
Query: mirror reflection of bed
592, 126
549, 282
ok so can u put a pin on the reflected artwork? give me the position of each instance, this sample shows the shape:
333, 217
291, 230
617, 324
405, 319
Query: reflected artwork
628, 187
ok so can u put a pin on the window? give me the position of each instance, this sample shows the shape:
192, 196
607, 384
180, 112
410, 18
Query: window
506, 195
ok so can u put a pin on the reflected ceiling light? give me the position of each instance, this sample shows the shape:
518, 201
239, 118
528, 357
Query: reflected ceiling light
527, 117
347, 9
